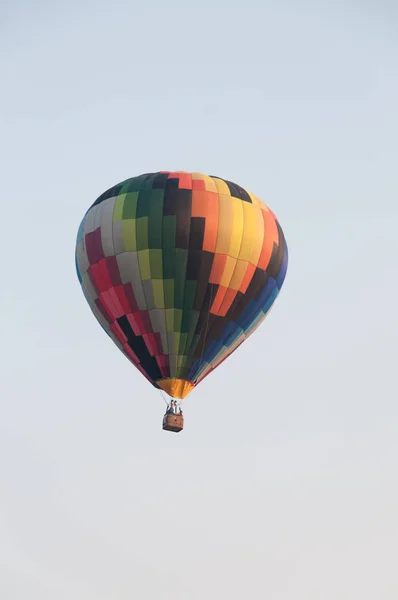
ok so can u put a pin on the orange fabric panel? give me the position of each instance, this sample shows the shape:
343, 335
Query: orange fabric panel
176, 388
205, 204
198, 184
258, 237
218, 267
249, 231
229, 297
226, 224
238, 275
228, 271
247, 278
215, 307
185, 181
270, 236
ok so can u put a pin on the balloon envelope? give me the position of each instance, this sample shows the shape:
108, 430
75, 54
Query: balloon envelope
179, 269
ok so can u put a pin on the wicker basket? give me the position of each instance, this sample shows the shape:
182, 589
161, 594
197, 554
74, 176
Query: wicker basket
172, 422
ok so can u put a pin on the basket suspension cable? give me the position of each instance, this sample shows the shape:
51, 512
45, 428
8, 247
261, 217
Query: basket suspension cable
162, 393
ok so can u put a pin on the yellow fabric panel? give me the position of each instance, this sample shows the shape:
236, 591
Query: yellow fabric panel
181, 348
178, 320
173, 321
169, 319
210, 186
225, 224
228, 271
254, 199
129, 235
222, 187
238, 274
158, 292
258, 202
263, 206
176, 337
118, 208
249, 230
176, 388
145, 268
237, 227
258, 237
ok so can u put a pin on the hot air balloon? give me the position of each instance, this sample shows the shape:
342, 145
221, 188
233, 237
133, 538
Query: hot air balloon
179, 269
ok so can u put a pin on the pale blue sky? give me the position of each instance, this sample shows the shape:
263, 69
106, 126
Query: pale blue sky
283, 485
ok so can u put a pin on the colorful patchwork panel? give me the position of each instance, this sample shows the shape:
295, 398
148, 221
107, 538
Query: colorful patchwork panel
179, 269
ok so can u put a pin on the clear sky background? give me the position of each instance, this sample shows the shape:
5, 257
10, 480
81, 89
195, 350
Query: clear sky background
283, 485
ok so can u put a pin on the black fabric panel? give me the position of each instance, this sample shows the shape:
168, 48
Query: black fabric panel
282, 247
183, 225
205, 323
175, 199
193, 265
138, 346
238, 192
282, 241
206, 263
236, 309
172, 183
169, 204
197, 233
218, 325
210, 292
275, 262
159, 181
257, 284
235, 190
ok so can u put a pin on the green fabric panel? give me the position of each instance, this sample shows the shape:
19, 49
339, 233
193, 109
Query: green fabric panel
169, 231
176, 336
189, 293
169, 263
183, 372
130, 205
118, 208
144, 202
179, 279
145, 268
155, 258
141, 226
184, 361
194, 344
128, 232
135, 183
168, 287
186, 320
177, 320
124, 187
183, 341
194, 317
147, 183
158, 292
155, 224
169, 319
